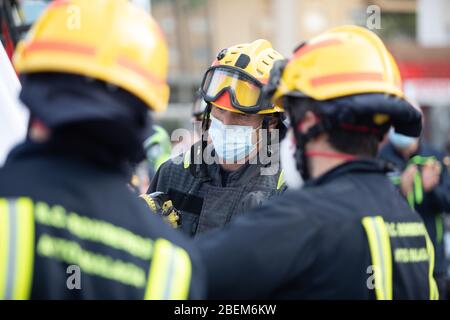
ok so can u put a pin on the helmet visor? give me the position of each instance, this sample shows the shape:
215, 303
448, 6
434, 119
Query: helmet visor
245, 91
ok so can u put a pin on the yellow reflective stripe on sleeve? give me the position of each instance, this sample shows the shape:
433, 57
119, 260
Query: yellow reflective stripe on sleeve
25, 262
280, 180
158, 270
17, 248
4, 243
170, 273
380, 251
434, 292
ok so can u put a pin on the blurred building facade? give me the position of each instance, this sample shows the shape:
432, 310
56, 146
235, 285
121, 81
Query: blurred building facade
416, 31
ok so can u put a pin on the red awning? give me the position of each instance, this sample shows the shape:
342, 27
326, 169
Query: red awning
424, 69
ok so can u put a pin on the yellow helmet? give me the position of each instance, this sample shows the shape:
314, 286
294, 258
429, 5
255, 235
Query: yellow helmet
347, 62
112, 41
236, 78
343, 61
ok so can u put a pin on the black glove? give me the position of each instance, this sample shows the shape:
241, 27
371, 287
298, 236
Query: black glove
160, 204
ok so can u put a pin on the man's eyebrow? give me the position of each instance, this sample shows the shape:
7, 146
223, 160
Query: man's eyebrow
243, 116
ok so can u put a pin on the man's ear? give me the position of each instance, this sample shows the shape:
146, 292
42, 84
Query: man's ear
309, 120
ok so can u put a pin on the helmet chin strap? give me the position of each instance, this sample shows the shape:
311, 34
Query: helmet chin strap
266, 126
302, 155
197, 149
301, 140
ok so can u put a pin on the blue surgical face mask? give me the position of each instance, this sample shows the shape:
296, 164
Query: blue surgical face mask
231, 142
401, 141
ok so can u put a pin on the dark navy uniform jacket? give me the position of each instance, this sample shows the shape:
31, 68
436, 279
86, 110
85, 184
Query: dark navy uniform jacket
345, 235
64, 210
434, 203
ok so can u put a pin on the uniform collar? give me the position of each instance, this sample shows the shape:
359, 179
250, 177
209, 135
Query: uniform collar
354, 166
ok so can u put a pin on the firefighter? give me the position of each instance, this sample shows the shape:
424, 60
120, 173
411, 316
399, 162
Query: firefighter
223, 175
69, 227
343, 232
422, 177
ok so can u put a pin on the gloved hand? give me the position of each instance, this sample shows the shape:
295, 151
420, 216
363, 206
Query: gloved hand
160, 204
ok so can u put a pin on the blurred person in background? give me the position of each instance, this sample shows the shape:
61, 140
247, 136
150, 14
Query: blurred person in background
209, 195
157, 149
69, 227
198, 110
423, 179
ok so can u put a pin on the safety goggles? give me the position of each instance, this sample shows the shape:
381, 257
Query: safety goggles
245, 91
